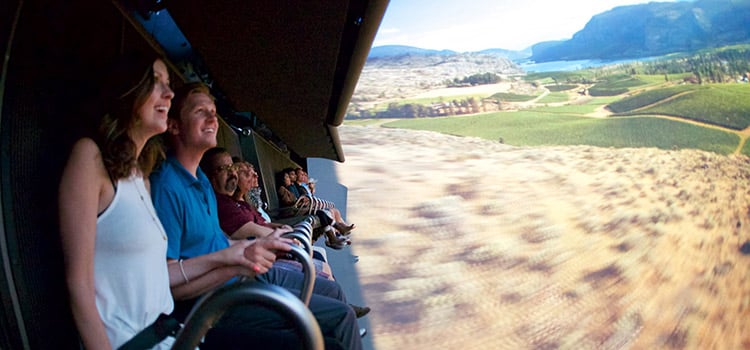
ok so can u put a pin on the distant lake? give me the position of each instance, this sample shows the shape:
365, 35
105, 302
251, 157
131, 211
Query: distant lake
565, 66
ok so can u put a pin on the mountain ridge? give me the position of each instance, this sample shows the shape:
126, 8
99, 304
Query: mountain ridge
630, 31
391, 51
653, 29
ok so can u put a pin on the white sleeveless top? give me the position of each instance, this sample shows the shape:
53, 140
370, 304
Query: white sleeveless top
130, 266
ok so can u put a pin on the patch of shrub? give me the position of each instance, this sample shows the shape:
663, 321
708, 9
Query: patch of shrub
719, 104
596, 91
558, 88
647, 98
510, 97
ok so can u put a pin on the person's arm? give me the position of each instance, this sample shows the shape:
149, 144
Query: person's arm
276, 225
286, 197
238, 221
199, 283
171, 211
251, 229
247, 230
80, 188
202, 273
206, 272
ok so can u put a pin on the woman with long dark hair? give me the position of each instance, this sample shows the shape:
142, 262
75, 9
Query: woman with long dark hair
113, 243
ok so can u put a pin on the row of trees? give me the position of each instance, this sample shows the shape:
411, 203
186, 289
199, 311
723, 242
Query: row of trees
712, 67
413, 110
476, 79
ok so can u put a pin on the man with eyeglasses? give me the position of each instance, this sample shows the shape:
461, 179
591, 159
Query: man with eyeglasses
237, 218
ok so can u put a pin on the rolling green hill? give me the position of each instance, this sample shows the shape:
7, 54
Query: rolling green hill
529, 128
725, 105
643, 99
646, 111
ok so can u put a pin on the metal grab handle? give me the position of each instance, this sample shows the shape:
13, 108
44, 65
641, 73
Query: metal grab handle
310, 226
303, 232
302, 238
307, 225
212, 306
308, 271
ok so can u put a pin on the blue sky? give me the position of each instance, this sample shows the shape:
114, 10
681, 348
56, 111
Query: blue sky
473, 25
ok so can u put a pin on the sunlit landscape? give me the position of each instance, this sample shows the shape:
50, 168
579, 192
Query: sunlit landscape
579, 204
468, 243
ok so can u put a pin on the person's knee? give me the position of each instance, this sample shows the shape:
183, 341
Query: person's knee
329, 288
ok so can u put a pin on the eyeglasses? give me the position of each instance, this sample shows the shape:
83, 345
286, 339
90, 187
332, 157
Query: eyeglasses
227, 167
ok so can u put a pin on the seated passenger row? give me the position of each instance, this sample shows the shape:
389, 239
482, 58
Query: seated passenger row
295, 195
142, 240
232, 179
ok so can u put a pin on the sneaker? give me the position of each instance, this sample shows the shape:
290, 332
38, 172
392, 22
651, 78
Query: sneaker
360, 311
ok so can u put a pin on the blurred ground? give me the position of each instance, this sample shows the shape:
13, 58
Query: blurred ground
470, 244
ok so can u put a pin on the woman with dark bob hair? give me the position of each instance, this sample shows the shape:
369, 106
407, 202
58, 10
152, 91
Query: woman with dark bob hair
113, 243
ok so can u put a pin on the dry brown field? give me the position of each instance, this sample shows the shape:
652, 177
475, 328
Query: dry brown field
470, 244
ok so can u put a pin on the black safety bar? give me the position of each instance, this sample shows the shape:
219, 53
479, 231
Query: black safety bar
302, 238
213, 305
303, 231
308, 271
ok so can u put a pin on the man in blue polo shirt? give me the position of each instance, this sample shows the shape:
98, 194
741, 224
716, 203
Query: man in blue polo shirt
184, 200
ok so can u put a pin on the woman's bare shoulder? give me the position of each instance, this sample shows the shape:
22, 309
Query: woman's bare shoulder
85, 146
85, 156
86, 152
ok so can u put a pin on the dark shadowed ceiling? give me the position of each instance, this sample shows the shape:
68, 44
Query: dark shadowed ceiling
293, 63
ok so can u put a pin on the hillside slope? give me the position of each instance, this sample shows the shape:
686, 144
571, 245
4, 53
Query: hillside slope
653, 29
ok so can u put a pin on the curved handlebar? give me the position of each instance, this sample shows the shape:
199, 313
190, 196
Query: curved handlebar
302, 238
212, 306
308, 270
303, 232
